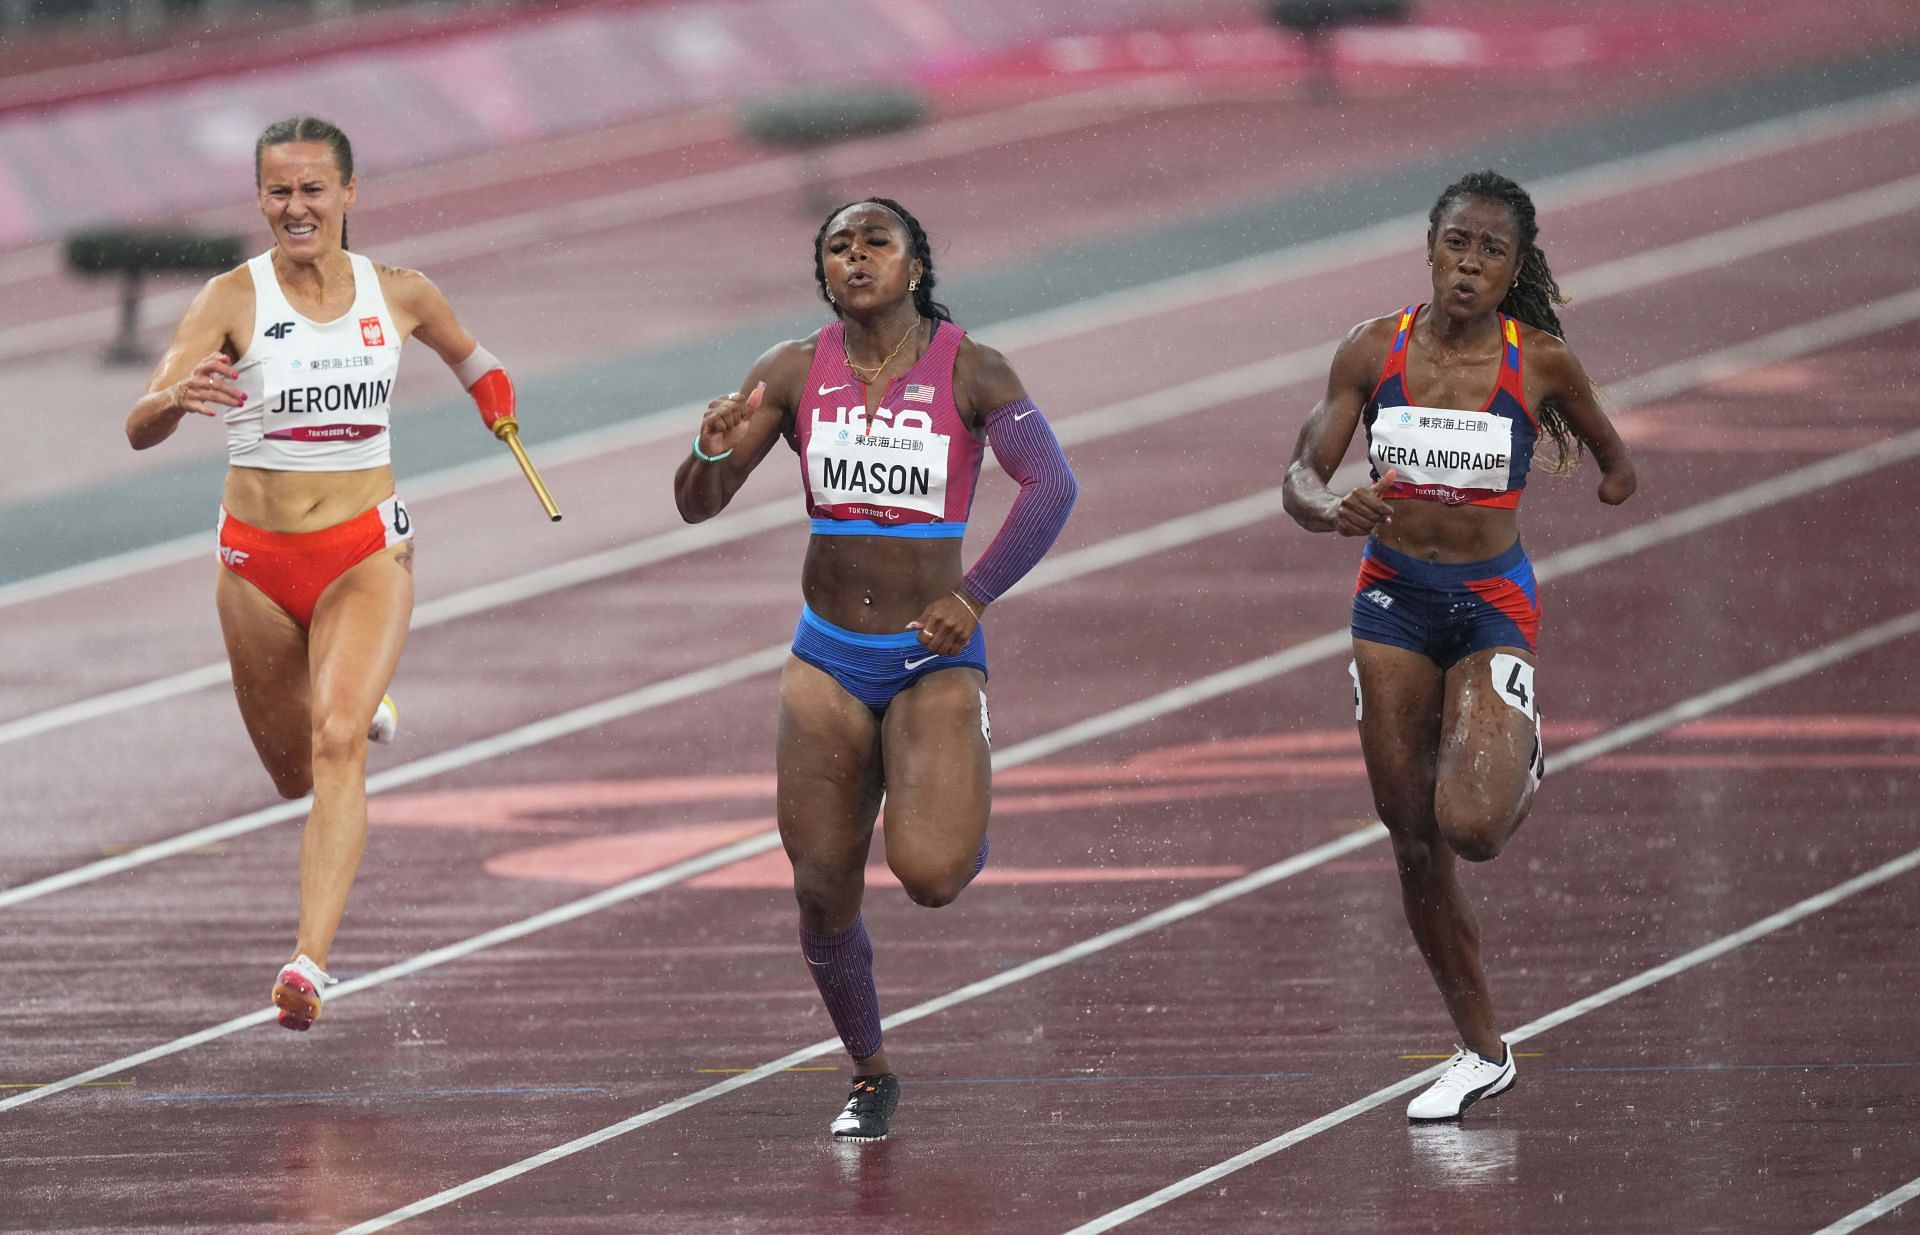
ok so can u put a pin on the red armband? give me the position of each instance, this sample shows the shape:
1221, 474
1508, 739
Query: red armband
493, 395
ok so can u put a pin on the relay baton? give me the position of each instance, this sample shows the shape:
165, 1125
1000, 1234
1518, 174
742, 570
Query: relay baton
507, 429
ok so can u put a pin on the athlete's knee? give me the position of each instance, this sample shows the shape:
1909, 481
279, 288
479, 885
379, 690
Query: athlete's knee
1420, 856
932, 882
338, 738
292, 783
827, 892
1472, 829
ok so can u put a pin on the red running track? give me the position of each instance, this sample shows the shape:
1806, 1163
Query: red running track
1767, 1089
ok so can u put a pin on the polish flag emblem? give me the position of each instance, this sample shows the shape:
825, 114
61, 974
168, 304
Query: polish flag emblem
370, 332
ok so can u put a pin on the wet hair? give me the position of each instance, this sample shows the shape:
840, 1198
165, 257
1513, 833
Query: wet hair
923, 295
1534, 296
308, 129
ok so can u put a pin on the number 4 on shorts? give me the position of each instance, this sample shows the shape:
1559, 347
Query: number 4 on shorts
1514, 679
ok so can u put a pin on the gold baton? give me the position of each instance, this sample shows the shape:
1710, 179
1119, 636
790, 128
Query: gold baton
507, 429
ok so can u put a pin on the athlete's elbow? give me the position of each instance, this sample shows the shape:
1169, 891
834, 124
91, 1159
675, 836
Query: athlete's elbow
1300, 510
1062, 494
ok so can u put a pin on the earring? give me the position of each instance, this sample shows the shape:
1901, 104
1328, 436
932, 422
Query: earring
830, 299
913, 285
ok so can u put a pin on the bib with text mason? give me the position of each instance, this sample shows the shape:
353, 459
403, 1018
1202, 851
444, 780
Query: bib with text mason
890, 467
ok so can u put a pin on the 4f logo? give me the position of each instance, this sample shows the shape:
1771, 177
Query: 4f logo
279, 330
233, 557
370, 332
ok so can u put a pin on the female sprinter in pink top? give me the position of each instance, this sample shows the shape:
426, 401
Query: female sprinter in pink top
888, 408
297, 352
1445, 614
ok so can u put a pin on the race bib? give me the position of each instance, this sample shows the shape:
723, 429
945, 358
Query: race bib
877, 467
1442, 450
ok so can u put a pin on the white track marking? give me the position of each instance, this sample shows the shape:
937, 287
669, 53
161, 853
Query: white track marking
1759, 496
1184, 398
1026, 752
1631, 174
1680, 713
1878, 1209
1665, 719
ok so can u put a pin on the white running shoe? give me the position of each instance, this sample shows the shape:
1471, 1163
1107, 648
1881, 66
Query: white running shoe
298, 991
1468, 1079
386, 721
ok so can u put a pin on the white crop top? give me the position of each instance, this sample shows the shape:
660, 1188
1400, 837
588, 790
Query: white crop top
318, 393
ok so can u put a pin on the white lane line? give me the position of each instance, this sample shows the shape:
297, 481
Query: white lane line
1659, 721
1025, 752
762, 661
1181, 399
1759, 496
1866, 640
1616, 177
1064, 567
1877, 1209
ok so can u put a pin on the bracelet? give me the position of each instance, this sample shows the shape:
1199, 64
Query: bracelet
963, 601
703, 456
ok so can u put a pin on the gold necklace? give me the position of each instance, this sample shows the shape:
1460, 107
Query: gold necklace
868, 373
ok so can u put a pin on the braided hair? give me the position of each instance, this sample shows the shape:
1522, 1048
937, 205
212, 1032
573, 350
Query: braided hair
922, 295
308, 129
1534, 296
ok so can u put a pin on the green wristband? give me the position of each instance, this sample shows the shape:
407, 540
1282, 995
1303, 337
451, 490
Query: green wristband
703, 456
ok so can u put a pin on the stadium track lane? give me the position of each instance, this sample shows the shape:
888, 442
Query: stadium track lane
1177, 1002
1331, 978
615, 755
1834, 467
587, 319
1601, 234
1323, 700
1137, 147
1238, 325
60, 767
1038, 702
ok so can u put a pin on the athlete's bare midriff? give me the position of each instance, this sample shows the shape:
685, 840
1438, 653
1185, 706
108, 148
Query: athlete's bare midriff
875, 585
1436, 532
303, 501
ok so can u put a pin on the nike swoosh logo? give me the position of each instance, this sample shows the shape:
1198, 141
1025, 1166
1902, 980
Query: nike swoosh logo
1023, 415
915, 664
827, 390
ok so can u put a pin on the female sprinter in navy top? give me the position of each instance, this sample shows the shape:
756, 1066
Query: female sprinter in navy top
888, 407
1445, 614
296, 352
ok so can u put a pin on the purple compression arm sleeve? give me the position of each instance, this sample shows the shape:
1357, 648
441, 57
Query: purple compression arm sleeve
1024, 444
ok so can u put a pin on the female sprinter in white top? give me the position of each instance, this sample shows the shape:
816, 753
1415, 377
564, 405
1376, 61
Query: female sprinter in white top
297, 352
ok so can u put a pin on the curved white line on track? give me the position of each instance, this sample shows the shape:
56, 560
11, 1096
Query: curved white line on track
1665, 719
1617, 177
1770, 349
